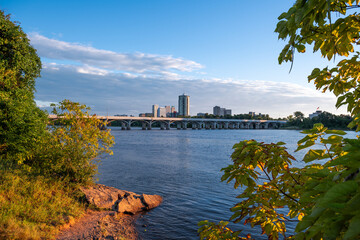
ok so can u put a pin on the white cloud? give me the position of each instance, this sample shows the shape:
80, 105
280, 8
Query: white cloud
117, 93
43, 104
121, 82
131, 62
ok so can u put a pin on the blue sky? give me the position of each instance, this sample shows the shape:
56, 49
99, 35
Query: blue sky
120, 57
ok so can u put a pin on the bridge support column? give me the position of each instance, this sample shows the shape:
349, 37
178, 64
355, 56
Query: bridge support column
194, 125
178, 125
143, 125
149, 125
162, 125
184, 125
226, 125
167, 125
237, 125
213, 125
257, 125
123, 126
128, 125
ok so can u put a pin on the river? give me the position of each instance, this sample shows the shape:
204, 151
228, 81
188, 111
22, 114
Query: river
183, 166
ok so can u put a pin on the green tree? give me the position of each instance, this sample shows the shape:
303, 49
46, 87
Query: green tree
73, 147
22, 124
324, 195
299, 115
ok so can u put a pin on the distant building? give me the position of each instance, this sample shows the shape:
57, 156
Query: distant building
218, 111
121, 115
201, 114
227, 112
184, 105
252, 114
148, 114
168, 109
161, 112
315, 114
142, 115
155, 110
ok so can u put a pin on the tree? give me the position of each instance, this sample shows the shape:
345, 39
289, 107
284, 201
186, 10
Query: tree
324, 195
73, 146
299, 115
22, 124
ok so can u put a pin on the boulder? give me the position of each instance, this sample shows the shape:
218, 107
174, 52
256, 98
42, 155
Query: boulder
151, 201
118, 200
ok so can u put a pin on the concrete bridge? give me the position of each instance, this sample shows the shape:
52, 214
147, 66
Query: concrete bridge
194, 123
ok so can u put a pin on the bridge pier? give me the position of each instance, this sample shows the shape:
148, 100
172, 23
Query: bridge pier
123, 127
178, 125
184, 125
143, 125
162, 125
128, 125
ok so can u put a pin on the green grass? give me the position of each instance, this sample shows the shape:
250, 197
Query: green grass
33, 208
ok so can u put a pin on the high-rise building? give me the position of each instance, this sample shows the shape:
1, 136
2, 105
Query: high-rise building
168, 111
218, 111
155, 110
184, 105
161, 112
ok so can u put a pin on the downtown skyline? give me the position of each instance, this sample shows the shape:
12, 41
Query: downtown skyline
121, 56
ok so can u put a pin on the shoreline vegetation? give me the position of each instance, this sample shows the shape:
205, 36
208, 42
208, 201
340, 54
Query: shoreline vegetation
46, 171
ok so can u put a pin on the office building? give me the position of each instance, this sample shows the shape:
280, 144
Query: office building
218, 111
315, 114
161, 112
155, 110
184, 105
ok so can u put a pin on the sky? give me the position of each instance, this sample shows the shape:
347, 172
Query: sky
121, 57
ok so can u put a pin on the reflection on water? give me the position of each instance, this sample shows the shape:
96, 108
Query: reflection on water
184, 168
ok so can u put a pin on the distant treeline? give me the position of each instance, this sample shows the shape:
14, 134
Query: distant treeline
237, 116
329, 120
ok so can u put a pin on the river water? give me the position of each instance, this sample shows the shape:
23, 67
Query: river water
183, 166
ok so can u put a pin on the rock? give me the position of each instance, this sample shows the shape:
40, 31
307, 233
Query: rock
151, 201
102, 196
129, 204
118, 200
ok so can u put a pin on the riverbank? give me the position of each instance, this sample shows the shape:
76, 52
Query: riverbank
114, 217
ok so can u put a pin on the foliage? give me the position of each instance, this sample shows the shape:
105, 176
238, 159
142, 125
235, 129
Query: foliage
212, 231
330, 120
22, 124
237, 116
322, 196
73, 145
33, 208
40, 167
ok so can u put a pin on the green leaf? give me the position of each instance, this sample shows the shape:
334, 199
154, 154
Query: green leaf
353, 231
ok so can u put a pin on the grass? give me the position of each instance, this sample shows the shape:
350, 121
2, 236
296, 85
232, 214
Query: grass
34, 208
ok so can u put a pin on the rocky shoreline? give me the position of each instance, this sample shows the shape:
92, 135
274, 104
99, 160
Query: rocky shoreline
115, 215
